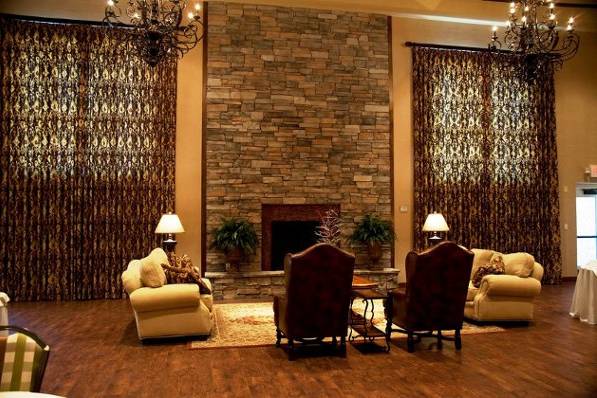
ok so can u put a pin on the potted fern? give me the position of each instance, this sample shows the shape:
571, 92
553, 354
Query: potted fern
373, 232
236, 238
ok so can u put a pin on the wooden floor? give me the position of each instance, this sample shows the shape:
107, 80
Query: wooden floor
95, 353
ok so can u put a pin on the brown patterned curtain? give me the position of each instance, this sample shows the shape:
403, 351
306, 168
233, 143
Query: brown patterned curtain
87, 156
485, 153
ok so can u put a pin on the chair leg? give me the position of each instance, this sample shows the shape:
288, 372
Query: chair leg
334, 341
410, 342
439, 340
291, 353
278, 337
457, 340
343, 346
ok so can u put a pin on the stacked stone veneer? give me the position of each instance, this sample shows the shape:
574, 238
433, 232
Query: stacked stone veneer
297, 112
262, 285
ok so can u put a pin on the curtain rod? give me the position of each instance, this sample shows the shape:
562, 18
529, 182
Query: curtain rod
463, 48
447, 47
61, 21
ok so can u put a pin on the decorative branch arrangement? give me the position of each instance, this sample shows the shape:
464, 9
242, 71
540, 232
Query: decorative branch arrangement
329, 229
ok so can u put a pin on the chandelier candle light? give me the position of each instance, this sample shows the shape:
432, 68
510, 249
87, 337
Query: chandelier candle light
532, 31
156, 27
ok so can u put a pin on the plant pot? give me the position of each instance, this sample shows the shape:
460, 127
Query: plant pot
233, 258
375, 252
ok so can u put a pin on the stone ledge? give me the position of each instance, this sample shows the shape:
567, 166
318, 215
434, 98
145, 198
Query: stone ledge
261, 274
265, 284
248, 274
380, 271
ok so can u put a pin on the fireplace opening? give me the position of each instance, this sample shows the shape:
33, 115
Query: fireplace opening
291, 237
288, 228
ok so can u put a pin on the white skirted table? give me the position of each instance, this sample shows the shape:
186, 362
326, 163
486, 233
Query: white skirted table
584, 301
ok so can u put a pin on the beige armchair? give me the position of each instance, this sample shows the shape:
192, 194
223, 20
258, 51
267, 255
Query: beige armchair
170, 310
507, 297
4, 299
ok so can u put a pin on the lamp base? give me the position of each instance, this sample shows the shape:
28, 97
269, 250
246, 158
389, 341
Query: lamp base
434, 240
169, 244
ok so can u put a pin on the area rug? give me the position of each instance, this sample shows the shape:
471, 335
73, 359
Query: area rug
252, 325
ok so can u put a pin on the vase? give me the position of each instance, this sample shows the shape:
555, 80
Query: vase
233, 258
375, 252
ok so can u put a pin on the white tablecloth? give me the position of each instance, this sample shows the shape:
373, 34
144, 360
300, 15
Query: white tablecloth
584, 301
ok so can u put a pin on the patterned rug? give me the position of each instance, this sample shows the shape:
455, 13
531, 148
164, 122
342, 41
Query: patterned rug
252, 325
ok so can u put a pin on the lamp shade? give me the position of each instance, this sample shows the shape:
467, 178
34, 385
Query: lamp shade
169, 224
435, 222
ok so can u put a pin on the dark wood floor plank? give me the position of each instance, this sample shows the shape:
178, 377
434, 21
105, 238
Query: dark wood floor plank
95, 353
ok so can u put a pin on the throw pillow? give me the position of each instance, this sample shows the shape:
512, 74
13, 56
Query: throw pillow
481, 257
131, 278
494, 267
519, 264
181, 270
152, 274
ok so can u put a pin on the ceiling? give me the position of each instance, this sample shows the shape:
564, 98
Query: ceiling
466, 11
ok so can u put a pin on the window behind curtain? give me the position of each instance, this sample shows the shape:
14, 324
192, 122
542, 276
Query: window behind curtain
87, 155
485, 153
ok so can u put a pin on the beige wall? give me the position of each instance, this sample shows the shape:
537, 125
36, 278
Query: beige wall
576, 107
576, 101
188, 151
422, 31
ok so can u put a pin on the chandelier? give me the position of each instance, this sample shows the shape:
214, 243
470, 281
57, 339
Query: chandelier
532, 31
156, 29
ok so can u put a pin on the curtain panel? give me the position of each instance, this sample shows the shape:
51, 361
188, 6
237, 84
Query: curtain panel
87, 159
485, 153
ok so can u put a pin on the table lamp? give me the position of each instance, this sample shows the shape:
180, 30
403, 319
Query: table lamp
435, 223
169, 224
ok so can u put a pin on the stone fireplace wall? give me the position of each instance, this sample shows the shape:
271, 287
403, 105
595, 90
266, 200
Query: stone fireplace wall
297, 113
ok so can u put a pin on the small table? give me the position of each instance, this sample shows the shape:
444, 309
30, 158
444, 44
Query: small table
362, 324
359, 282
584, 301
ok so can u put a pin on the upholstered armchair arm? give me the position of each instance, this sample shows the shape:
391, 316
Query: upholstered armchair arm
399, 304
537, 271
208, 299
509, 285
207, 283
399, 294
4, 299
178, 295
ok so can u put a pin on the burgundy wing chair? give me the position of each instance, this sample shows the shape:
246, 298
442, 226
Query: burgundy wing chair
316, 303
436, 287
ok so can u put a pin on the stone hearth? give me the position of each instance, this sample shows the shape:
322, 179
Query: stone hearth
264, 284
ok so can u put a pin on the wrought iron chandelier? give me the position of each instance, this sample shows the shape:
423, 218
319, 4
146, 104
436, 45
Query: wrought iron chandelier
532, 31
156, 29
